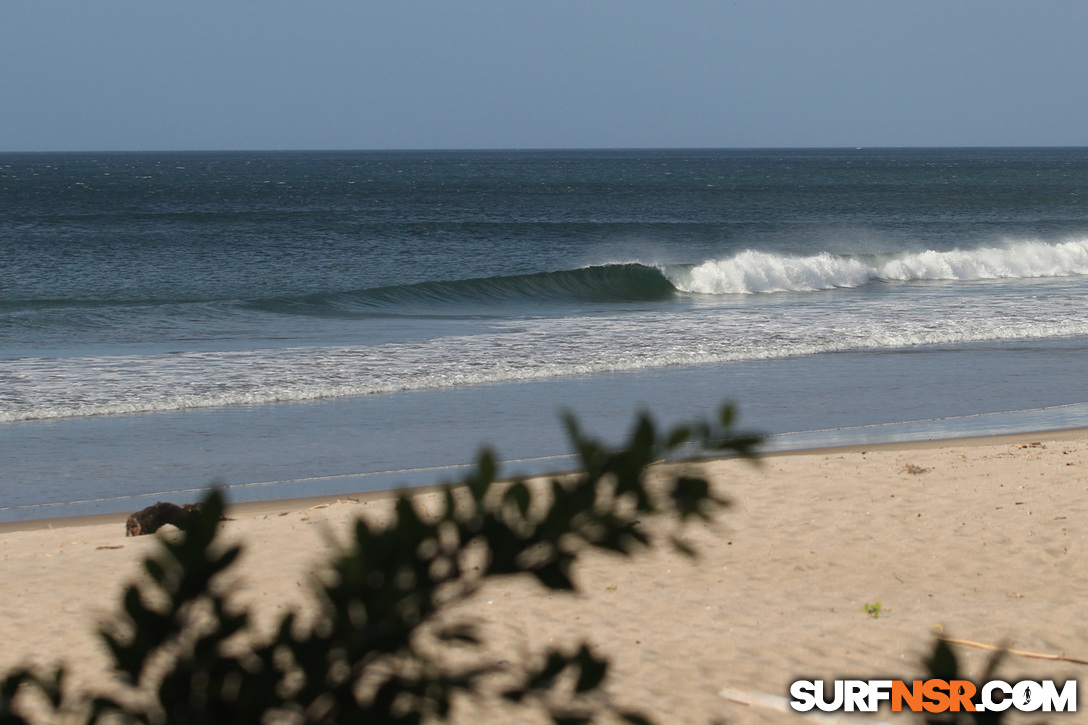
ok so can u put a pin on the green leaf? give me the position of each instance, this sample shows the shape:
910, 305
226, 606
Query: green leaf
554, 576
556, 663
727, 416
9, 686
690, 496
570, 719
678, 437
515, 695
635, 718
486, 471
155, 570
459, 633
942, 663
519, 495
682, 547
591, 671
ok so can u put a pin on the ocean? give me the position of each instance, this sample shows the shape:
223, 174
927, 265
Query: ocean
310, 323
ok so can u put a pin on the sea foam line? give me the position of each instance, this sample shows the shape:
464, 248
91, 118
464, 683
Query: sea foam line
452, 467
530, 350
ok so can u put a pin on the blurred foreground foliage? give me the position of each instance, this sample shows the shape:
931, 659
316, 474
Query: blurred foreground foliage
942, 664
379, 650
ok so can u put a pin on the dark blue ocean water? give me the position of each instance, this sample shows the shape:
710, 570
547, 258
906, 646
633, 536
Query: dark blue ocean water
292, 323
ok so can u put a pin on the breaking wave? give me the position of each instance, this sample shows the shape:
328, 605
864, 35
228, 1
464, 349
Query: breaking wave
748, 272
628, 282
753, 272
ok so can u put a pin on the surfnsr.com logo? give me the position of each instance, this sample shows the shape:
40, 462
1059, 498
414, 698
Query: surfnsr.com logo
934, 696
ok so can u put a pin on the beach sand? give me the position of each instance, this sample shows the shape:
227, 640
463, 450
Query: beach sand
979, 539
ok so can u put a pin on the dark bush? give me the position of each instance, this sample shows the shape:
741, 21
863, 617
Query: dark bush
183, 654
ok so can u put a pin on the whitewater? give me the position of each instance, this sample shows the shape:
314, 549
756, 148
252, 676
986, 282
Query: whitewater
171, 319
754, 272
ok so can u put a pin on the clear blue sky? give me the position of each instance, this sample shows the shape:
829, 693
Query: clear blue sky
414, 74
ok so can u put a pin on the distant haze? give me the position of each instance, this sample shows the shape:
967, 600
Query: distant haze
414, 74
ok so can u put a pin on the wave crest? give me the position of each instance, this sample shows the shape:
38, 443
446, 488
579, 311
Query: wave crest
749, 272
757, 272
630, 282
752, 272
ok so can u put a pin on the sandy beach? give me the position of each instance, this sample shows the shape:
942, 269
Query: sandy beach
978, 539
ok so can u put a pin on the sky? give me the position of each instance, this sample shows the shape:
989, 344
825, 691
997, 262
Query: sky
114, 75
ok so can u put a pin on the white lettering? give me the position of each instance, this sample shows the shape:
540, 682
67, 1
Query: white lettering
856, 695
821, 700
1027, 696
879, 690
988, 695
1065, 701
803, 694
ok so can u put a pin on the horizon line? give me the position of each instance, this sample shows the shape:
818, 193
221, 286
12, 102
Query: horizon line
531, 149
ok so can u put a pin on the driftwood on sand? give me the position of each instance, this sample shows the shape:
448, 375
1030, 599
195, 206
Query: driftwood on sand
153, 518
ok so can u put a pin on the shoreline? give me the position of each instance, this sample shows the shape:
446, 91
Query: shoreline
262, 507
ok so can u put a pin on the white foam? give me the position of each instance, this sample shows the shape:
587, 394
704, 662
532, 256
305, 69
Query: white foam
527, 349
1023, 260
753, 272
